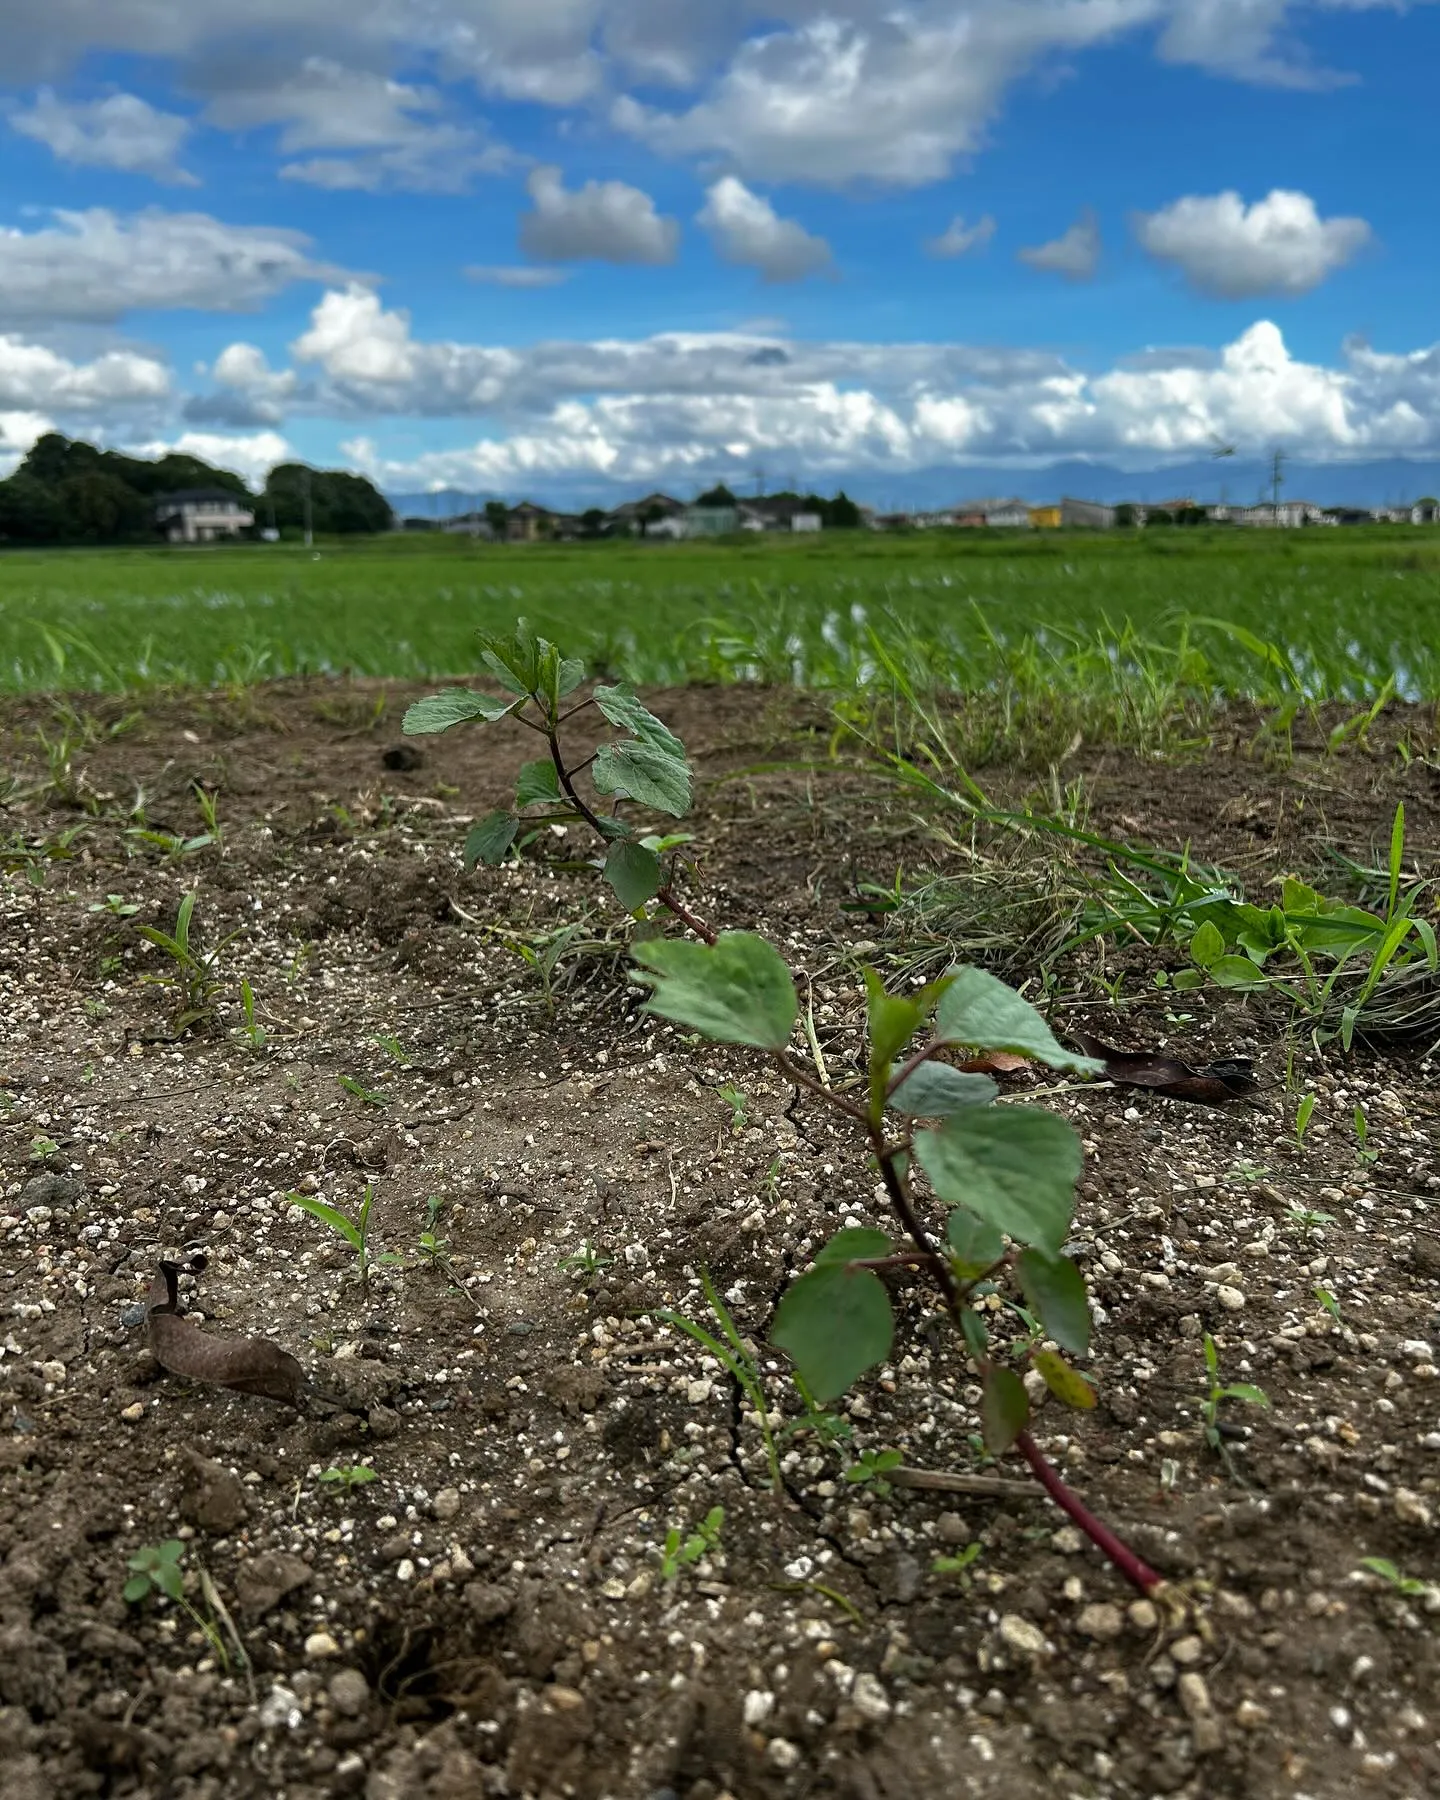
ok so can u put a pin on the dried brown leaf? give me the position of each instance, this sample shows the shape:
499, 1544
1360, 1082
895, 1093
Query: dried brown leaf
247, 1365
1212, 1084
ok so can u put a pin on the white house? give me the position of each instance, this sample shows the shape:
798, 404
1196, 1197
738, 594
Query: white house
200, 515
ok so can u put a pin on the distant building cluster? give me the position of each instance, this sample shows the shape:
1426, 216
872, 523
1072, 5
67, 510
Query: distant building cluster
721, 514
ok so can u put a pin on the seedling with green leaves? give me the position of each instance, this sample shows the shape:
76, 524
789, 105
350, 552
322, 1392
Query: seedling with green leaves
366, 1096
1218, 1393
959, 1564
1004, 1177
155, 1571
250, 1031
1407, 1586
346, 1477
195, 976
870, 1469
355, 1232
730, 1351
1303, 1114
684, 1549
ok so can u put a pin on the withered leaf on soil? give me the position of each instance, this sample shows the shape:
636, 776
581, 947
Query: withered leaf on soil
1212, 1084
248, 1365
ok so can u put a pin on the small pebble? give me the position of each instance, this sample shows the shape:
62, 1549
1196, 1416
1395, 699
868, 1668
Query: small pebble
349, 1692
446, 1503
133, 1414
1101, 1621
319, 1645
1410, 1509
1250, 1715
780, 1753
1143, 1615
870, 1699
1231, 1298
1187, 1651
1019, 1634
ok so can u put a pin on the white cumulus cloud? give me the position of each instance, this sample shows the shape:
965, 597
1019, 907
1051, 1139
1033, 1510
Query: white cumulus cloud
35, 376
678, 404
1075, 254
960, 239
746, 229
98, 265
250, 456
603, 221
1279, 245
120, 132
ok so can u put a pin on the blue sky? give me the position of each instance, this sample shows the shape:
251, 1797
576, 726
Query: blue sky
1182, 223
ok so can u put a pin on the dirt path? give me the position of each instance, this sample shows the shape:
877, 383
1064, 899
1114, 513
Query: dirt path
489, 1615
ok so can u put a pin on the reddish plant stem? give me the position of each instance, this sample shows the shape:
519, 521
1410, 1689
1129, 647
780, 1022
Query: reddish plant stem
669, 899
1134, 1568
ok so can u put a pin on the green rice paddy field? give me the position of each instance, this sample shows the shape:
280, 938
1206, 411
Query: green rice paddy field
1312, 615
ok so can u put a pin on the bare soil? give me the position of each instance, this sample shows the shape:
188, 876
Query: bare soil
489, 1615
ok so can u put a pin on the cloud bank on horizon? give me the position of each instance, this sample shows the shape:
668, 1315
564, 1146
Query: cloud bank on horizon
496, 244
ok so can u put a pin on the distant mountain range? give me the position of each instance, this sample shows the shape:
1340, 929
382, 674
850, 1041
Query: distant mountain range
1387, 482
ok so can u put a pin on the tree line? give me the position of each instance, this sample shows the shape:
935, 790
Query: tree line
69, 492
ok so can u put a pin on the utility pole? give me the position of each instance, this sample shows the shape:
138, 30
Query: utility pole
1277, 481
309, 510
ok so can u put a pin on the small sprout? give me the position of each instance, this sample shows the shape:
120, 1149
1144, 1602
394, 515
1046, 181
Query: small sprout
1308, 1221
116, 905
1405, 1585
739, 1103
346, 1477
41, 1147
587, 1261
871, 1468
392, 1046
251, 1033
959, 1563
1330, 1303
156, 1570
355, 1232
1219, 1392
366, 1096
683, 1550
1363, 1153
1302, 1117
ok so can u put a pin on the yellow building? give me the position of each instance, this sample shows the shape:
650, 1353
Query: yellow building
1045, 518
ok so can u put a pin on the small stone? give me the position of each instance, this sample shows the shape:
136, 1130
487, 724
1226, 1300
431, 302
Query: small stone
132, 1415
488, 1603
757, 1707
1187, 1651
1194, 1696
349, 1692
1020, 1635
870, 1699
1067, 1540
1231, 1298
1410, 1509
1250, 1715
405, 1569
780, 1753
446, 1503
319, 1645
1143, 1615
1100, 1621
950, 1528
280, 1707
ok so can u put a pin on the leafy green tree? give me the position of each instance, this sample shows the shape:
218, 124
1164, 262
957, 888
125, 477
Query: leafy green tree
29, 513
97, 508
717, 496
340, 503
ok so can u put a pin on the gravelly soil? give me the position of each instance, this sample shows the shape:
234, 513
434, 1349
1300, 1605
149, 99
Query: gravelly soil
489, 1614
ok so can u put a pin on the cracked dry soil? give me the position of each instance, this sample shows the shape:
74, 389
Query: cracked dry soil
488, 1615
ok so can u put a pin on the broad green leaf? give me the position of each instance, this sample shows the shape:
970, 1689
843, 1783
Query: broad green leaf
737, 991
835, 1323
634, 872
1004, 1409
854, 1244
515, 662
1244, 1390
1237, 972
136, 1588
656, 778
1068, 1386
453, 706
1207, 946
972, 1327
1015, 1166
572, 673
623, 708
329, 1215
975, 1244
538, 781
935, 1090
490, 839
980, 1011
891, 1020
1055, 1289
